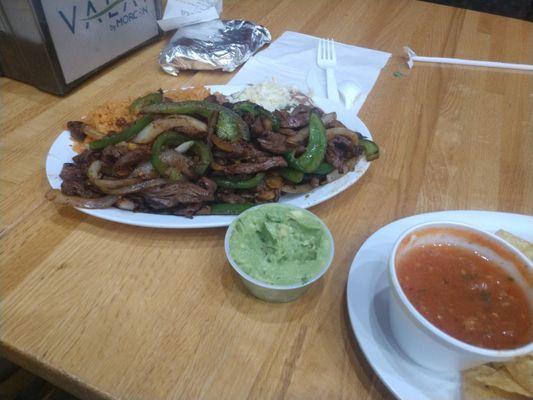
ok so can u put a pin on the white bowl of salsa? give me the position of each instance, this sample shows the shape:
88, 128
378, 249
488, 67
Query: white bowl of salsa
460, 297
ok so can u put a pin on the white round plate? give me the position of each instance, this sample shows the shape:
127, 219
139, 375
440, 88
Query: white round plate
62, 152
368, 296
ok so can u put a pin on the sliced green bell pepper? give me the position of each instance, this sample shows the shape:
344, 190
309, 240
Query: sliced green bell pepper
150, 98
370, 148
292, 175
244, 107
161, 143
123, 136
229, 209
204, 153
323, 169
242, 184
230, 125
171, 138
314, 154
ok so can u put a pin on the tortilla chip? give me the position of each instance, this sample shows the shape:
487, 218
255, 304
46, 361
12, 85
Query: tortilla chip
523, 245
521, 369
499, 377
474, 389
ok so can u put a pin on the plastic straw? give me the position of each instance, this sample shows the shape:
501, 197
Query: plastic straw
491, 64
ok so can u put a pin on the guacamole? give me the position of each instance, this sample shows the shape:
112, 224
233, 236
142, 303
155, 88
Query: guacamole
280, 245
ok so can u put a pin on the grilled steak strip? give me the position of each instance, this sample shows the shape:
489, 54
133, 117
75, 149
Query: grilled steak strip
171, 195
340, 149
125, 164
250, 168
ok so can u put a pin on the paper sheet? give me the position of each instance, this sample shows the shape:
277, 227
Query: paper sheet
188, 12
291, 60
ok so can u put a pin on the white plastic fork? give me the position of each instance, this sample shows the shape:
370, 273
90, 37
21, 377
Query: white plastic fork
327, 59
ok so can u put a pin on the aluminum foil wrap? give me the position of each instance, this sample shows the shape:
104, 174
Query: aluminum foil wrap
219, 44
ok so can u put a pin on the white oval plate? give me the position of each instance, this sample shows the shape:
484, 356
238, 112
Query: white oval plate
62, 152
367, 295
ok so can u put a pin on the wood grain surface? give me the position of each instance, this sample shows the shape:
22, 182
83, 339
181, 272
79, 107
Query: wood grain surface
118, 312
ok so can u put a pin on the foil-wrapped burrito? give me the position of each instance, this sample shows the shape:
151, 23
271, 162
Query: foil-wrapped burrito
218, 44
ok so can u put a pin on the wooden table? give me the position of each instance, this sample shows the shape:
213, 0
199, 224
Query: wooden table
119, 312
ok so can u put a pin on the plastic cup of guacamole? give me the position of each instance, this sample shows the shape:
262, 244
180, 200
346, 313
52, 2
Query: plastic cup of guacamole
278, 250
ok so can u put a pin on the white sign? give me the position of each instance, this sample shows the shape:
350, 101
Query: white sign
89, 33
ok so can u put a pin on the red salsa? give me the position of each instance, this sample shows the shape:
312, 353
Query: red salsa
466, 295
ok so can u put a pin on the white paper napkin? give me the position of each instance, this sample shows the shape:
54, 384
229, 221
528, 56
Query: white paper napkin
188, 12
291, 60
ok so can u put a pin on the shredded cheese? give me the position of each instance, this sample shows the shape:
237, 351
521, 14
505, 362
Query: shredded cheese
268, 94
